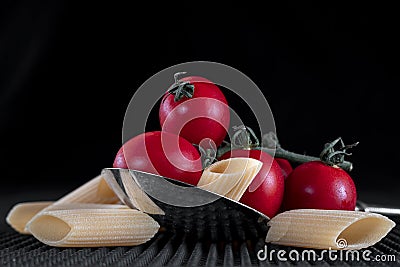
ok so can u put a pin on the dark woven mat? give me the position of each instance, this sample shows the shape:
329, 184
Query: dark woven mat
175, 249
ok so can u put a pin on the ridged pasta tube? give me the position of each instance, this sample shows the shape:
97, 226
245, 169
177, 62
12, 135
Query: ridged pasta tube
22, 213
93, 227
138, 198
230, 177
328, 229
94, 191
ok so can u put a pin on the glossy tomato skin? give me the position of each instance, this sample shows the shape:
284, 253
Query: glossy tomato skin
161, 153
207, 116
267, 198
285, 166
315, 185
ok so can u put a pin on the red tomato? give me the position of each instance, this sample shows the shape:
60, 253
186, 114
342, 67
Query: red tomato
205, 115
161, 153
285, 166
268, 183
315, 185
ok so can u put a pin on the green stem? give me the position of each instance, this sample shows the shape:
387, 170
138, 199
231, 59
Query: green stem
242, 140
299, 158
329, 155
223, 149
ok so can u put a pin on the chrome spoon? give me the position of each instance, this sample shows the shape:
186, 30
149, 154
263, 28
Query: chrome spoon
185, 207
362, 206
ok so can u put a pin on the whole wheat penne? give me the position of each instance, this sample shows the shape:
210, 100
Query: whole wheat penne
230, 177
93, 227
328, 229
21, 213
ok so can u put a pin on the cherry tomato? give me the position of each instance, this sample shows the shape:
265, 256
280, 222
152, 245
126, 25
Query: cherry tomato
315, 185
204, 115
161, 153
268, 185
285, 166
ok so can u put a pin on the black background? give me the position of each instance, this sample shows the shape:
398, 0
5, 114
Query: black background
69, 70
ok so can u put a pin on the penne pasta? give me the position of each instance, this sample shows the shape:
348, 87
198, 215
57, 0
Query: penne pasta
77, 206
22, 213
94, 191
237, 192
230, 177
138, 198
93, 227
328, 229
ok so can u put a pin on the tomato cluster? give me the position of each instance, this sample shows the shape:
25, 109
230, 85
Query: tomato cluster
195, 109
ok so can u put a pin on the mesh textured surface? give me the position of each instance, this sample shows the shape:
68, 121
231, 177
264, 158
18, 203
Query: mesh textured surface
221, 220
173, 248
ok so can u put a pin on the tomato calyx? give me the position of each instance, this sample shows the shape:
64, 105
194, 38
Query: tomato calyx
334, 157
244, 138
181, 88
208, 152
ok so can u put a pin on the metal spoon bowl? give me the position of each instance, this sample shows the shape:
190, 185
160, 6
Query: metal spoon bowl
187, 208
